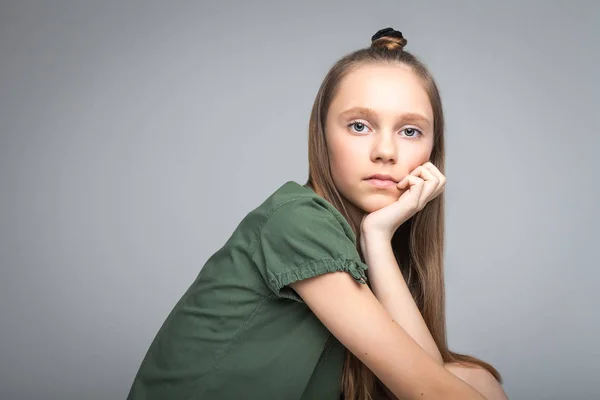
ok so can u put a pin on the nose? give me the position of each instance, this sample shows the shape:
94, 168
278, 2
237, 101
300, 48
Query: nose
384, 148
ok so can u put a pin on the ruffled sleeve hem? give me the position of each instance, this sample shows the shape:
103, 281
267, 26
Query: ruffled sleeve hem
279, 283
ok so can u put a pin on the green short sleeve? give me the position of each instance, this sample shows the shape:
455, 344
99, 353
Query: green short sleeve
303, 238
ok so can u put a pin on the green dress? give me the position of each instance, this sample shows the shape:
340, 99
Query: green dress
239, 331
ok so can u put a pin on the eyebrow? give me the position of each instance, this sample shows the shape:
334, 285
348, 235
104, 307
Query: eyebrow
370, 113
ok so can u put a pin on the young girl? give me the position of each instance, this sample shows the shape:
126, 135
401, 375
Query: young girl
335, 288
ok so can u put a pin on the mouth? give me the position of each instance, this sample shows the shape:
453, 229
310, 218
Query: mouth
382, 177
382, 181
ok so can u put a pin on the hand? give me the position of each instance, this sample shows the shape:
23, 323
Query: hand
422, 185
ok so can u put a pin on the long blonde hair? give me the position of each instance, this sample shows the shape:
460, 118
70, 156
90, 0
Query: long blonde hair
419, 243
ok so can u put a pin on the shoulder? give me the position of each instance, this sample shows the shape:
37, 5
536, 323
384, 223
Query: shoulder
305, 213
308, 225
306, 206
303, 236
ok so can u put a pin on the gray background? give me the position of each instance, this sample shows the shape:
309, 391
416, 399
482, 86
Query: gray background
136, 135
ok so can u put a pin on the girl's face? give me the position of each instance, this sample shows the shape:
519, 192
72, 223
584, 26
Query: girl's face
379, 122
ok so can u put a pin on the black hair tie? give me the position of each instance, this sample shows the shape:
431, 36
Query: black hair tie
387, 32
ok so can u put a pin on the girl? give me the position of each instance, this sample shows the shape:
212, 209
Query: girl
333, 289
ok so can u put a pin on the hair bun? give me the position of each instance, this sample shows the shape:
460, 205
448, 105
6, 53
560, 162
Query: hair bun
394, 39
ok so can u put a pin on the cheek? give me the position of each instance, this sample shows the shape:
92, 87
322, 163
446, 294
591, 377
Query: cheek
345, 157
416, 159
413, 156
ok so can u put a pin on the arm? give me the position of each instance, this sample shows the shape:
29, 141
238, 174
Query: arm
391, 290
357, 319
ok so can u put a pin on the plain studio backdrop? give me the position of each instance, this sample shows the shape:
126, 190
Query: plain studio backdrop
136, 135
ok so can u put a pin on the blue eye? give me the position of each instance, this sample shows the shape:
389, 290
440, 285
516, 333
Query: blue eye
358, 124
413, 129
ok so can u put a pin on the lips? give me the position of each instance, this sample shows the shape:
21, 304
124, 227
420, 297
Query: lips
381, 181
383, 177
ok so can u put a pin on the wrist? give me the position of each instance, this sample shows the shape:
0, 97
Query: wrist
375, 242
376, 236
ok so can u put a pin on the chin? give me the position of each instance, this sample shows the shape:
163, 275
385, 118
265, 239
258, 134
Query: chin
374, 202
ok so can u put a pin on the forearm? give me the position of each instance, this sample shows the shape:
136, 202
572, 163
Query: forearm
391, 290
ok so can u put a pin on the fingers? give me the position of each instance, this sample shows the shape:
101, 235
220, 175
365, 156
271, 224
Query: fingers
435, 171
429, 172
415, 189
429, 184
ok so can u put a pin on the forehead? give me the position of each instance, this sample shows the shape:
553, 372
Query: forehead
388, 89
